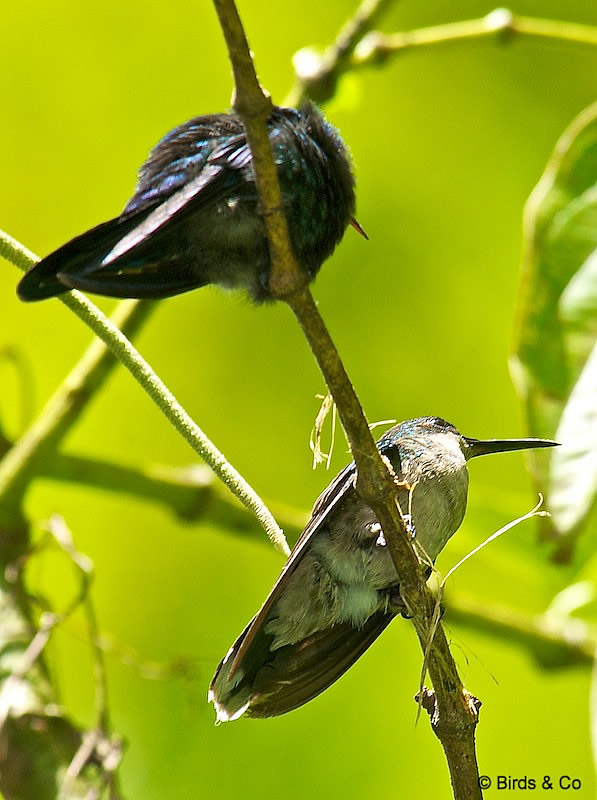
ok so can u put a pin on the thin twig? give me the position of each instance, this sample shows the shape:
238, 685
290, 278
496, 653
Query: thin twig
11, 684
453, 711
376, 47
253, 105
440, 594
61, 533
327, 406
357, 46
124, 351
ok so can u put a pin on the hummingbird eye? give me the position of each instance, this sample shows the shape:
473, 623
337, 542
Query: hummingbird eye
441, 423
436, 424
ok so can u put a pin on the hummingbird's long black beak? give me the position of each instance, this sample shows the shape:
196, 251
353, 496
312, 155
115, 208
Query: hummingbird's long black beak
481, 447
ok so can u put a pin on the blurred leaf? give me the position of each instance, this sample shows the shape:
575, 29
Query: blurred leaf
557, 324
579, 300
593, 711
573, 473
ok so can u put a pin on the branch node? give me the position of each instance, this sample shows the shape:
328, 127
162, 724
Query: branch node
426, 699
500, 19
445, 726
502, 22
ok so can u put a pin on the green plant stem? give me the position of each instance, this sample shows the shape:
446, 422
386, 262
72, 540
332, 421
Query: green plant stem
356, 46
317, 76
376, 47
124, 351
453, 711
176, 415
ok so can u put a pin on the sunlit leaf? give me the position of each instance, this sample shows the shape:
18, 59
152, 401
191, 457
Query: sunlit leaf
578, 304
593, 710
573, 473
557, 326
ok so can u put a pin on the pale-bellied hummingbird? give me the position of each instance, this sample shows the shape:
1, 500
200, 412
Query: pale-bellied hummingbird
195, 217
339, 588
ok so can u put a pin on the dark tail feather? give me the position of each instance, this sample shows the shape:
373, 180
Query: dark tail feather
144, 284
83, 254
271, 682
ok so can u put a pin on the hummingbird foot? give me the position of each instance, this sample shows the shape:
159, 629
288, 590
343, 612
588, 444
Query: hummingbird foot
409, 525
397, 604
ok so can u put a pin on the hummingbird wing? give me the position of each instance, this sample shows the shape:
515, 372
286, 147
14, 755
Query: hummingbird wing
218, 177
325, 503
42, 280
260, 681
343, 483
129, 256
299, 672
283, 679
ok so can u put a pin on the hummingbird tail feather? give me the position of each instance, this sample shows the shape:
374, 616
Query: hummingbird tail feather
83, 254
83, 263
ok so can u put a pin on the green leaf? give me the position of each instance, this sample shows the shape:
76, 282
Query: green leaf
578, 304
573, 473
555, 366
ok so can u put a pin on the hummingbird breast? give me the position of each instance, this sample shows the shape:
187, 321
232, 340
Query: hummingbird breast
437, 477
345, 576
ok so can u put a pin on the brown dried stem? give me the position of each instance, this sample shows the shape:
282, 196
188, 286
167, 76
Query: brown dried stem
453, 711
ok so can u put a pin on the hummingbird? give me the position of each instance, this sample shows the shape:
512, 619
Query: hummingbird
339, 588
195, 218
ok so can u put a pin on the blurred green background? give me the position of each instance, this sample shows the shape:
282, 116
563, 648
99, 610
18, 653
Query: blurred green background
448, 142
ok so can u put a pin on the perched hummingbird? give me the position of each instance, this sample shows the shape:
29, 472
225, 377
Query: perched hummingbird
339, 588
195, 218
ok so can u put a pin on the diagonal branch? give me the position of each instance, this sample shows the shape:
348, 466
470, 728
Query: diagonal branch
453, 711
13, 466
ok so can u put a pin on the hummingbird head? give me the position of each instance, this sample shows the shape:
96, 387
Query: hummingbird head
429, 446
431, 455
436, 429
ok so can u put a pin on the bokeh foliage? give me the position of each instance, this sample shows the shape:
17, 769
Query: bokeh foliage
554, 366
448, 144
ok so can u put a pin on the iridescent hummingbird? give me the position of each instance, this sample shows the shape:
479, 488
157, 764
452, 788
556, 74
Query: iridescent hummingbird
339, 588
195, 217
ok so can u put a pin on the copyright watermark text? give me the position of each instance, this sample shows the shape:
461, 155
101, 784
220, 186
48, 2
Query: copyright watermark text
523, 783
